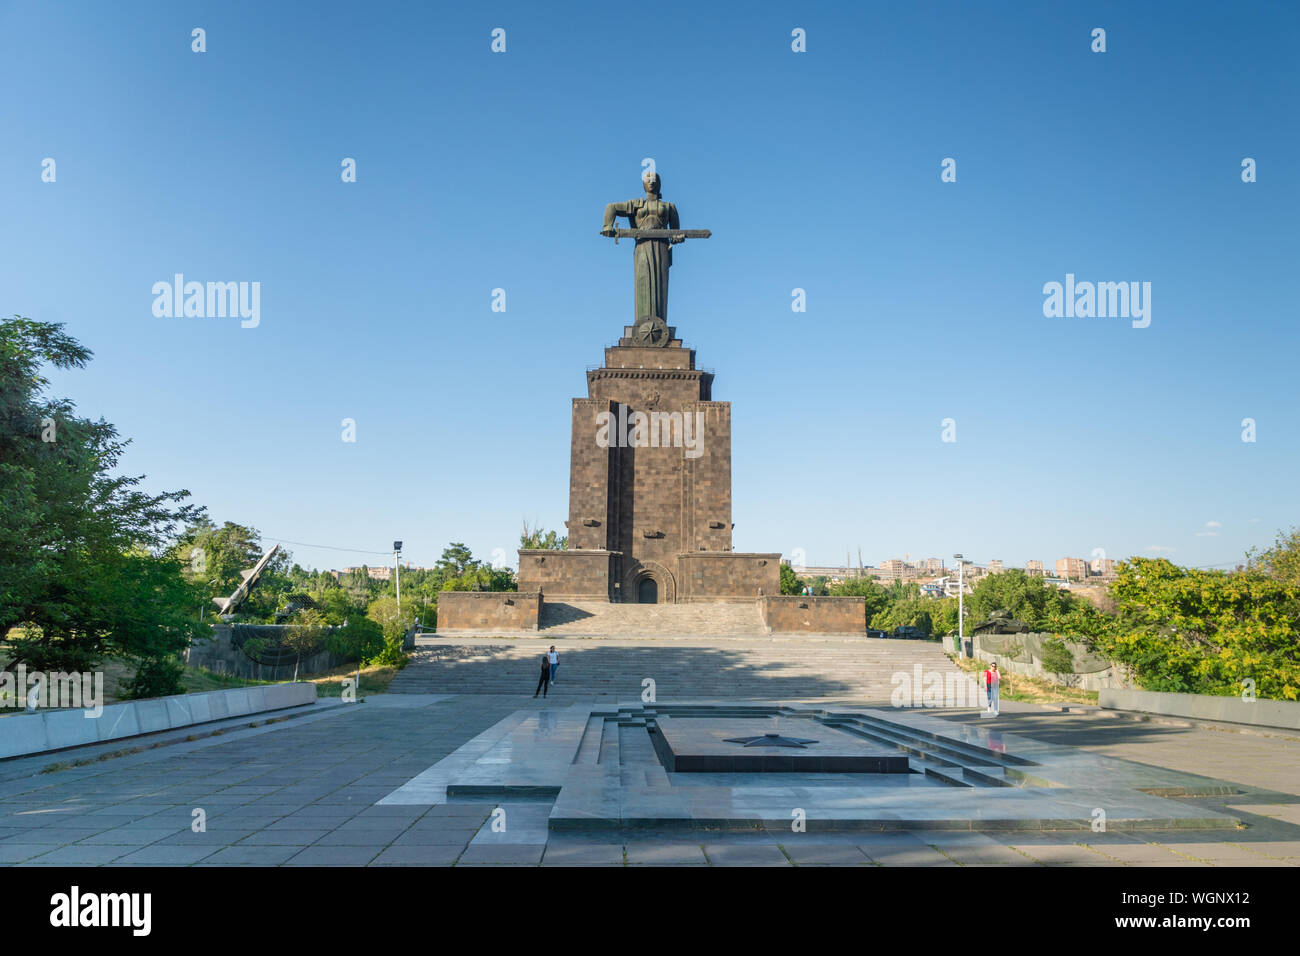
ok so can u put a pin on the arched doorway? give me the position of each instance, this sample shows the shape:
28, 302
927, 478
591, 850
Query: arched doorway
647, 591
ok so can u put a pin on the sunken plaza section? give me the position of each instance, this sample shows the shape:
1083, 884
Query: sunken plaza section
734, 765
488, 779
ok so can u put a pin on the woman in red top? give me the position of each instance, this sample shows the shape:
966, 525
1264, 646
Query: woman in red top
991, 680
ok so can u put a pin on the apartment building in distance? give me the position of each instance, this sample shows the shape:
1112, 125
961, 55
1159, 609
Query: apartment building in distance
896, 569
833, 575
1103, 568
376, 572
1072, 569
1034, 569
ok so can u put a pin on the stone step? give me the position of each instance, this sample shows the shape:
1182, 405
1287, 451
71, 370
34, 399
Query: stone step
860, 668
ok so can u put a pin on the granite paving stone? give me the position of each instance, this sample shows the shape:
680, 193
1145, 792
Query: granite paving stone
722, 854
520, 853
418, 855
319, 855
907, 856
582, 786
252, 855
583, 854
666, 854
820, 854
277, 837
159, 855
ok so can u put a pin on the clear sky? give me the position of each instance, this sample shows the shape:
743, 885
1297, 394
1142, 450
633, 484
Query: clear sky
817, 170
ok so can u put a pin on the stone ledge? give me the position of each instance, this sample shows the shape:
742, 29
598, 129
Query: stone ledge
1282, 714
25, 734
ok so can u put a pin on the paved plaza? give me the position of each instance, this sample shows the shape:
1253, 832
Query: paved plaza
318, 789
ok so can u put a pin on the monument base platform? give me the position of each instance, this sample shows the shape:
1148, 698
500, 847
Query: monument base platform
515, 613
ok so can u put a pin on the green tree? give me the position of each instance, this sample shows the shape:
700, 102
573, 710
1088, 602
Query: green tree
909, 612
306, 635
482, 577
536, 538
1057, 658
1197, 631
456, 560
360, 639
1280, 562
83, 563
943, 615
394, 622
214, 558
791, 583
874, 594
1029, 599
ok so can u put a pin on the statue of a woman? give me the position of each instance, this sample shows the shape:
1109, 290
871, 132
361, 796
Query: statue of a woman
652, 257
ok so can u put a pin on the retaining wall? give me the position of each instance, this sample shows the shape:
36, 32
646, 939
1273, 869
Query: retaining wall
1261, 713
22, 734
796, 613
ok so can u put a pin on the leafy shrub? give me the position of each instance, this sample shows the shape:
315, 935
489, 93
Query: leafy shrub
392, 654
1057, 658
155, 677
1203, 632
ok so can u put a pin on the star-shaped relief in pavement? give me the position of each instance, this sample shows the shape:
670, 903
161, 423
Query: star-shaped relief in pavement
770, 740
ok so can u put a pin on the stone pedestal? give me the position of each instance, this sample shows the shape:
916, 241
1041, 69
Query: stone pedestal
650, 489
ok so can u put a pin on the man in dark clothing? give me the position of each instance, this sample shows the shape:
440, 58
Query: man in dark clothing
544, 682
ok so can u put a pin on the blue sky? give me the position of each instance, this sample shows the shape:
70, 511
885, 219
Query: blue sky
818, 170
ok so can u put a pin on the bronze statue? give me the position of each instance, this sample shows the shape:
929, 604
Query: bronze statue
656, 228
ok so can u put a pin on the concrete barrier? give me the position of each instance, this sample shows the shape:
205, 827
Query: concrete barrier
1284, 714
24, 734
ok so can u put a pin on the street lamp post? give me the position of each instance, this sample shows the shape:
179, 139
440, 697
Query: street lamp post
961, 633
397, 567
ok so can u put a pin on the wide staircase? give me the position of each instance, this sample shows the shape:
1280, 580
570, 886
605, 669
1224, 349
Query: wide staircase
767, 668
583, 619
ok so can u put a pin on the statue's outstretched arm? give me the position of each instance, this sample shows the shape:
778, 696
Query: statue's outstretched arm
612, 211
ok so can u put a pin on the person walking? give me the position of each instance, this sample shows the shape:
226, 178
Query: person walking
991, 680
544, 682
554, 658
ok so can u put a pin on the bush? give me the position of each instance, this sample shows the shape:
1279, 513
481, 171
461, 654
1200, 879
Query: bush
1187, 630
360, 640
392, 655
155, 677
1057, 658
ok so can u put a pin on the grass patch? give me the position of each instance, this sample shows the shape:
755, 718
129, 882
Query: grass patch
374, 680
199, 679
87, 761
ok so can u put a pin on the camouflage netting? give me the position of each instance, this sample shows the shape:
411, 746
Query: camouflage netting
1026, 648
272, 652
